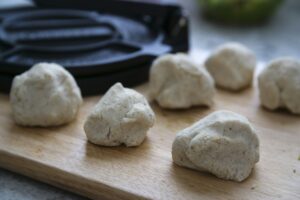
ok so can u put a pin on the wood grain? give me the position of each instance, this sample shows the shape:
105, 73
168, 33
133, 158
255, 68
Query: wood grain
62, 156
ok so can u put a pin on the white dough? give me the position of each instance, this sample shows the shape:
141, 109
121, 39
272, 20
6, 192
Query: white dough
279, 85
45, 95
232, 66
177, 82
223, 143
122, 116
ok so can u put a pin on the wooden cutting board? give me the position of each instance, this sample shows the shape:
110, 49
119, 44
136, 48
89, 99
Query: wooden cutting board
62, 156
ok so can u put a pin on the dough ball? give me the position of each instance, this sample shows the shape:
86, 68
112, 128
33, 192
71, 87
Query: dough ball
223, 143
122, 116
177, 82
45, 95
279, 85
232, 66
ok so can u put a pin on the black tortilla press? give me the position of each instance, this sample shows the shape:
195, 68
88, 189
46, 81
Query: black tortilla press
99, 41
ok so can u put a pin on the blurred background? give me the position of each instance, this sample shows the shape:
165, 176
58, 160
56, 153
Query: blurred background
277, 36
269, 27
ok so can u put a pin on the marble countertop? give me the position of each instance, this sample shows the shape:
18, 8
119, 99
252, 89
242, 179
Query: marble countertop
280, 37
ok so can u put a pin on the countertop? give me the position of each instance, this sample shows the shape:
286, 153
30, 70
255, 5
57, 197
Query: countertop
280, 37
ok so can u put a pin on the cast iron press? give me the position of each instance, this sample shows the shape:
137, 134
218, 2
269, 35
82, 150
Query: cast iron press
117, 41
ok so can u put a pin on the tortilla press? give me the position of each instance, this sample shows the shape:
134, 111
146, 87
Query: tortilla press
99, 42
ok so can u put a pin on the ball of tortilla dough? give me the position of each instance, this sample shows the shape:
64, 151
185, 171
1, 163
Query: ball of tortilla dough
45, 95
279, 85
223, 143
122, 116
232, 66
176, 82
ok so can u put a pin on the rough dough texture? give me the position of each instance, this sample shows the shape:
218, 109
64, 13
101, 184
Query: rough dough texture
176, 82
279, 85
45, 95
223, 143
232, 66
122, 116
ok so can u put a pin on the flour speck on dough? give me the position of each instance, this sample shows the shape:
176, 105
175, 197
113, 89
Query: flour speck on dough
176, 82
279, 85
223, 143
232, 66
45, 95
122, 116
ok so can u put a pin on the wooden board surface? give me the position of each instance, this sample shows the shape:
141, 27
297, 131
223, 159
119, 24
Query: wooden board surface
62, 156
